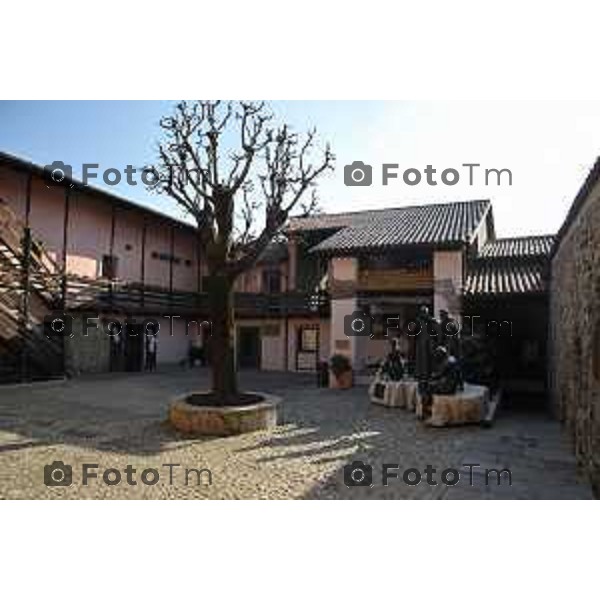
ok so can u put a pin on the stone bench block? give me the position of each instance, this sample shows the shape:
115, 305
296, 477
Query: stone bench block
467, 406
398, 394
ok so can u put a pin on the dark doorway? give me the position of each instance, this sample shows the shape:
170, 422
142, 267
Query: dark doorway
515, 329
249, 347
134, 347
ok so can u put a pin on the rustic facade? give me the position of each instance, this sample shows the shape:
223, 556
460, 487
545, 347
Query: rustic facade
91, 252
575, 325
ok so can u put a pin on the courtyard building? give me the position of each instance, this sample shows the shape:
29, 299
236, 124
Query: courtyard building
388, 263
91, 254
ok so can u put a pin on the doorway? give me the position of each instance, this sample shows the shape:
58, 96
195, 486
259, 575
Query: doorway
134, 347
249, 347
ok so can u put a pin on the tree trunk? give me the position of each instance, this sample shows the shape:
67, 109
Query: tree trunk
222, 347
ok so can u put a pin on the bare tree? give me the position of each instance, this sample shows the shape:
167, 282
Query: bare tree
239, 176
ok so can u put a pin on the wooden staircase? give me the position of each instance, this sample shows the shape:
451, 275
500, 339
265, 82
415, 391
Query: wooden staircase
29, 292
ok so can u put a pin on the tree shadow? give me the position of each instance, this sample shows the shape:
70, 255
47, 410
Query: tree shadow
124, 413
21, 445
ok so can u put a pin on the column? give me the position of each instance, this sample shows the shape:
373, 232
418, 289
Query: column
344, 273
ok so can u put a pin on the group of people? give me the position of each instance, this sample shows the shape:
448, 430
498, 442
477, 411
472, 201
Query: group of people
437, 357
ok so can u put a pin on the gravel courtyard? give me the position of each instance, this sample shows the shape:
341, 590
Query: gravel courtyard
114, 421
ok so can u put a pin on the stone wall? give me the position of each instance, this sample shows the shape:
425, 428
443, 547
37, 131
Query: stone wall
86, 353
575, 328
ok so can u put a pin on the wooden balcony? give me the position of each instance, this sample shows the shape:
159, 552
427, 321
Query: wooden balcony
100, 294
396, 280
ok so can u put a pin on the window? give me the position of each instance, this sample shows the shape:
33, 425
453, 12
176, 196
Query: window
416, 259
308, 339
167, 257
271, 281
108, 268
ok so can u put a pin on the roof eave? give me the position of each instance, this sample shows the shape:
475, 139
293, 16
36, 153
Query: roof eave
451, 245
31, 167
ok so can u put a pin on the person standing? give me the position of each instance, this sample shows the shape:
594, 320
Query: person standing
424, 357
116, 347
151, 350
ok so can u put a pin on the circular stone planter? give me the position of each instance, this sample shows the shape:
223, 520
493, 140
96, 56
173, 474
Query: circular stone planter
223, 420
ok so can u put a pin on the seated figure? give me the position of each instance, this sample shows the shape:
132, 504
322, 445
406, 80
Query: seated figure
446, 377
393, 366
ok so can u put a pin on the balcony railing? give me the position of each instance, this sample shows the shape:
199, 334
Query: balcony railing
97, 294
392, 280
24, 262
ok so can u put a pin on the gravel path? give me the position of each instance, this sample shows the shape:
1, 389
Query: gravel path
118, 421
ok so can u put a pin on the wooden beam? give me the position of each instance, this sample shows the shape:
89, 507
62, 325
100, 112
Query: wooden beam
64, 246
112, 229
28, 198
26, 280
111, 250
143, 264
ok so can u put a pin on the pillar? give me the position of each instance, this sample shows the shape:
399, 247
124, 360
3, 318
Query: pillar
344, 273
447, 282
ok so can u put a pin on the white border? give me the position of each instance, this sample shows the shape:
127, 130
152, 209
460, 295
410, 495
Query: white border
298, 550
309, 50
313, 49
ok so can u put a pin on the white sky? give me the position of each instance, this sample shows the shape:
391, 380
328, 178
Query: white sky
549, 147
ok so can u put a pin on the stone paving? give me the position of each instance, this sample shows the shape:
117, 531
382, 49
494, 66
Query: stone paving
115, 421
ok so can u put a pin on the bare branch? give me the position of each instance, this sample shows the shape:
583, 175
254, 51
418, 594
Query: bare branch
274, 161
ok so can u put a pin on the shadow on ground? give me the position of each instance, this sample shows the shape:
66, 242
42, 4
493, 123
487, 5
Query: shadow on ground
321, 431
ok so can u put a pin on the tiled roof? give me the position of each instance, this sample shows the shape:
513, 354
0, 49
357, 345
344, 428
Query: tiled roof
275, 252
539, 245
450, 223
505, 277
334, 220
510, 266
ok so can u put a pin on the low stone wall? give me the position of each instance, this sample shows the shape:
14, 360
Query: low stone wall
574, 337
223, 420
